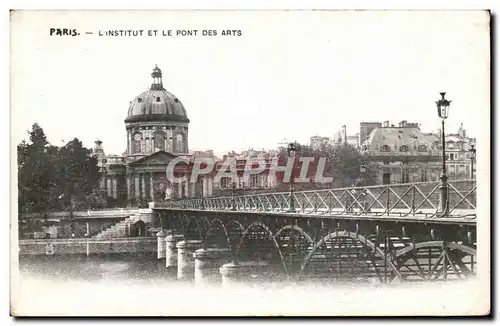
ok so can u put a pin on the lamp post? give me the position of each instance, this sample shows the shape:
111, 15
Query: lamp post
362, 169
443, 106
291, 150
472, 151
202, 194
233, 186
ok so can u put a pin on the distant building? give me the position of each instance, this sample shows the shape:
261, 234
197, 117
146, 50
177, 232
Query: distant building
404, 153
261, 181
319, 142
341, 137
458, 160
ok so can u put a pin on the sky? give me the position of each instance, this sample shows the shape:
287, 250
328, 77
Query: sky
290, 75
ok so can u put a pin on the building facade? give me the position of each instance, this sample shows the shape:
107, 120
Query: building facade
404, 153
459, 163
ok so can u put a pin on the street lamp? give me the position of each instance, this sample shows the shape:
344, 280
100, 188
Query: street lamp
362, 169
443, 106
233, 181
472, 151
202, 193
291, 150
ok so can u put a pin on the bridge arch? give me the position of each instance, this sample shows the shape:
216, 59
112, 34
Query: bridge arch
217, 235
432, 260
297, 229
366, 259
191, 228
268, 235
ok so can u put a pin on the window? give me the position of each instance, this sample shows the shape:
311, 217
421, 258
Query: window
422, 148
423, 175
403, 148
385, 148
451, 156
451, 145
139, 100
159, 141
158, 99
405, 177
136, 143
179, 143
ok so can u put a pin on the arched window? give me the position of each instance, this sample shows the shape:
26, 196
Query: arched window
179, 143
159, 141
422, 148
136, 143
385, 148
403, 148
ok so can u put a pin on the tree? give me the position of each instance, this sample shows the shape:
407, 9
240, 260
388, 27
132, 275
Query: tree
77, 175
343, 165
36, 172
56, 178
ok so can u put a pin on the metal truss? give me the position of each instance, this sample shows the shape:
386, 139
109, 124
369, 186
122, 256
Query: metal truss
409, 199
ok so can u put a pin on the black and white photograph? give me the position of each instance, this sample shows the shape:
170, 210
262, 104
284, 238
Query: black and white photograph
250, 163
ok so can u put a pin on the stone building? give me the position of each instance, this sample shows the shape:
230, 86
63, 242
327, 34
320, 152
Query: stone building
157, 131
247, 183
404, 153
458, 159
319, 142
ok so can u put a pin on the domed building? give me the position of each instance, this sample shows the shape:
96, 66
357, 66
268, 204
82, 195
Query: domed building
157, 131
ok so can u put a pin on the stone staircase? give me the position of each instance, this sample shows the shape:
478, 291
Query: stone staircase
118, 230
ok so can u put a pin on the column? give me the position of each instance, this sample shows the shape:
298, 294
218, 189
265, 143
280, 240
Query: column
115, 187
137, 184
185, 259
210, 184
143, 185
151, 187
129, 187
109, 187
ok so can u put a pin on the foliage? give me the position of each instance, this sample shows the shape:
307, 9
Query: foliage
56, 178
343, 164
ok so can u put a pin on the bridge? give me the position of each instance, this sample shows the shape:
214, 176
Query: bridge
389, 233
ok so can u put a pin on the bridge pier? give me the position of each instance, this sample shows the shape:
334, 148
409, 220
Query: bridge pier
171, 250
185, 259
160, 252
207, 263
243, 273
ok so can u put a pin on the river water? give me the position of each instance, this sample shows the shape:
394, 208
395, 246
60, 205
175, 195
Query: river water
131, 286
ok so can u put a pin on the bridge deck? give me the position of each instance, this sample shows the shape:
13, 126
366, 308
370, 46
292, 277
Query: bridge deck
466, 218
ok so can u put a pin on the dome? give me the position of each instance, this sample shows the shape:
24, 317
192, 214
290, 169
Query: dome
156, 104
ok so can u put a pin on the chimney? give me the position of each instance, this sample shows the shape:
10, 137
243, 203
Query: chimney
402, 124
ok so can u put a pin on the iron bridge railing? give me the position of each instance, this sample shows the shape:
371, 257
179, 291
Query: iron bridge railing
410, 199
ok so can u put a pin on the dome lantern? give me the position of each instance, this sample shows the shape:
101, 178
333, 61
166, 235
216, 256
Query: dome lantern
157, 79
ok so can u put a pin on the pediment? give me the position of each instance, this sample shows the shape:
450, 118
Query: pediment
158, 158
